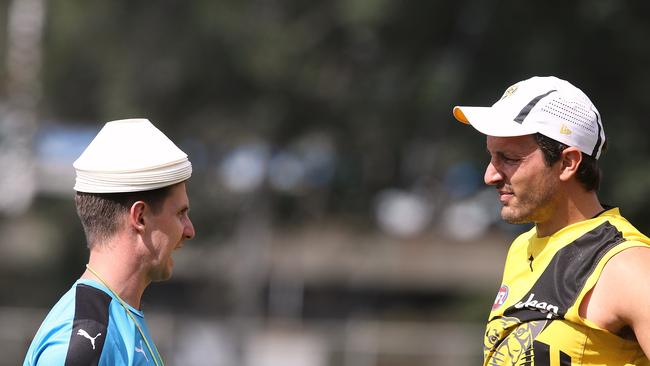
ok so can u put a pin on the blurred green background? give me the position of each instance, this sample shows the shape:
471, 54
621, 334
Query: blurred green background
340, 211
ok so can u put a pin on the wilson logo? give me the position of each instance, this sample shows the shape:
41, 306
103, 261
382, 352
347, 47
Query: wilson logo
542, 306
502, 295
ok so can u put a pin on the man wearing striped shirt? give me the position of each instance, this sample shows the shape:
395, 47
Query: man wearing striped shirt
132, 201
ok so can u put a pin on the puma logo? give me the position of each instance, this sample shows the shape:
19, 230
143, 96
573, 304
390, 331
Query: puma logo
85, 334
141, 350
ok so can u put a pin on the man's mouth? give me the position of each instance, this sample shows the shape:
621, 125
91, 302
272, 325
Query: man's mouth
504, 195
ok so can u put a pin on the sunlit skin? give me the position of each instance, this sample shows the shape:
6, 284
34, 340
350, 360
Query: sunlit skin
140, 252
527, 186
166, 232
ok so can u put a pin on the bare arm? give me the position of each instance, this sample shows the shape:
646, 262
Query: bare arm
621, 297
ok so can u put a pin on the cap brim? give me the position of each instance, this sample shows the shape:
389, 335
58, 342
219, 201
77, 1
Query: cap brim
489, 121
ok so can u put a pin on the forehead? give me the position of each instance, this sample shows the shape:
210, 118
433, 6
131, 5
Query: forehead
516, 144
177, 195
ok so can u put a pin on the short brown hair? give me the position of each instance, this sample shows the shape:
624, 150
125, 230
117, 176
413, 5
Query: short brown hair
100, 213
589, 173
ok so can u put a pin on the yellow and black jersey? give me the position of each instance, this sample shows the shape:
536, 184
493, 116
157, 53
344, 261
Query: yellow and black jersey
535, 321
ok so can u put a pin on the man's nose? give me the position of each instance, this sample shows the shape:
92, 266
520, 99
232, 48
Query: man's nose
492, 175
189, 232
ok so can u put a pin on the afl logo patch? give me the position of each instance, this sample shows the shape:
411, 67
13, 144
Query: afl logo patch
502, 295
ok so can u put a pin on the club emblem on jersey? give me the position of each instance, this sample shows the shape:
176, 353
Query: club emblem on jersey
509, 342
85, 334
502, 295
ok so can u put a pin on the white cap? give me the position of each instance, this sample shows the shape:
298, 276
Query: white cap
130, 155
548, 105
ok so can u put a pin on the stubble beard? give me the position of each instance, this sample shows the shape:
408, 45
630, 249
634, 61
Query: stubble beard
535, 206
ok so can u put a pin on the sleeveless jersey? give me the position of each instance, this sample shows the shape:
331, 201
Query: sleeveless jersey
535, 321
88, 326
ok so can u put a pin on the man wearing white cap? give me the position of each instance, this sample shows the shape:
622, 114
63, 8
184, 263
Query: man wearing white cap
132, 202
575, 287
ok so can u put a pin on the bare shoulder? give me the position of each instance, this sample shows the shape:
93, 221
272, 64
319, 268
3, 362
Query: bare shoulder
629, 267
621, 297
626, 276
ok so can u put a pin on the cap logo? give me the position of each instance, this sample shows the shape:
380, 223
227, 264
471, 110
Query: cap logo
565, 130
510, 91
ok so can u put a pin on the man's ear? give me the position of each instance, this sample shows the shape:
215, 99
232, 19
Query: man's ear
570, 161
136, 215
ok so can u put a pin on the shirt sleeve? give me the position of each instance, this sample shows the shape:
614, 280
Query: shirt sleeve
53, 355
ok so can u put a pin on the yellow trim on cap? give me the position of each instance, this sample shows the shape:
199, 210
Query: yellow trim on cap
460, 116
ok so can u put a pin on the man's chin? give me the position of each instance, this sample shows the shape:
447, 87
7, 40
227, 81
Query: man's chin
513, 217
163, 277
164, 274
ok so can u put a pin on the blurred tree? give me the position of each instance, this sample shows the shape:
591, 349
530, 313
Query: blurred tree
377, 76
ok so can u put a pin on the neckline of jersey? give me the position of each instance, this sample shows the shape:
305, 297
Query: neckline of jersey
100, 286
537, 244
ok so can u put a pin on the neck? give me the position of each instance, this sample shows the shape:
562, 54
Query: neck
575, 207
120, 274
